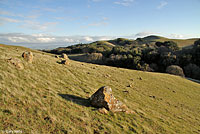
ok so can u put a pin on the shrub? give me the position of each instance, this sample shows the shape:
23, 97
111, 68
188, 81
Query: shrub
144, 67
197, 43
192, 70
176, 70
171, 45
154, 67
167, 59
196, 54
95, 57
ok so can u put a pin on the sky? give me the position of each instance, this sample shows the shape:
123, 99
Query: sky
53, 23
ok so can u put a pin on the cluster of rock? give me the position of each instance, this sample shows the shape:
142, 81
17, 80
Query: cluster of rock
28, 56
104, 99
65, 60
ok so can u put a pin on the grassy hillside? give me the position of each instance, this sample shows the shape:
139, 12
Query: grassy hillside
108, 45
47, 97
180, 42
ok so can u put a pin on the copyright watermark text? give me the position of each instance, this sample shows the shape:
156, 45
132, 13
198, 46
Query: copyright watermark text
11, 131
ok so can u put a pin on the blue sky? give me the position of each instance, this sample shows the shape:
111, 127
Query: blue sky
64, 22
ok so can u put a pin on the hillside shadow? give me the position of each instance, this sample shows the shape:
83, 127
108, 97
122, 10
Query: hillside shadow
194, 80
76, 99
78, 57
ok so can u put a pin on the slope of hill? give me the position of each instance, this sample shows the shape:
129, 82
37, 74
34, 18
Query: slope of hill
109, 44
47, 97
180, 42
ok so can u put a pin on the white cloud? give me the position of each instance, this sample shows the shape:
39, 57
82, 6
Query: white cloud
47, 41
39, 35
102, 22
68, 40
144, 34
41, 41
182, 36
35, 16
124, 2
8, 13
162, 4
6, 19
34, 25
49, 9
98, 23
2, 12
18, 39
171, 36
88, 39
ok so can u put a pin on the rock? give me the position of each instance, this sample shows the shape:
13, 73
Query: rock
65, 62
64, 56
103, 98
152, 96
19, 66
48, 119
103, 110
16, 63
129, 86
28, 56
126, 91
107, 76
129, 112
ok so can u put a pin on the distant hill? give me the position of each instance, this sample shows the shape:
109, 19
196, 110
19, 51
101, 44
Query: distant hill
151, 53
48, 97
180, 42
123, 41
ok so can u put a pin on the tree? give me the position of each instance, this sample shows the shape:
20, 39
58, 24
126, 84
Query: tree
159, 44
136, 61
196, 54
167, 59
171, 45
192, 71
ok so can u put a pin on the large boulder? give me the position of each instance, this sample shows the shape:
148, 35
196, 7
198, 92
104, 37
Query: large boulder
103, 98
176, 70
28, 56
64, 56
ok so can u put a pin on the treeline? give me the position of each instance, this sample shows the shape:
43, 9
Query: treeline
142, 55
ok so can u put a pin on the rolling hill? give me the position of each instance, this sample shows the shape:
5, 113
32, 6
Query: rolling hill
107, 45
48, 97
180, 42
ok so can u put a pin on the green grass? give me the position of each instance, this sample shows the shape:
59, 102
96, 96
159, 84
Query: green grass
47, 97
180, 42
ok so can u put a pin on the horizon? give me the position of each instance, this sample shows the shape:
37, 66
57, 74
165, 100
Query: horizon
65, 22
49, 46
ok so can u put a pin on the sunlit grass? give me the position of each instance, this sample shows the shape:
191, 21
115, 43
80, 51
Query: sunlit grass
30, 99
